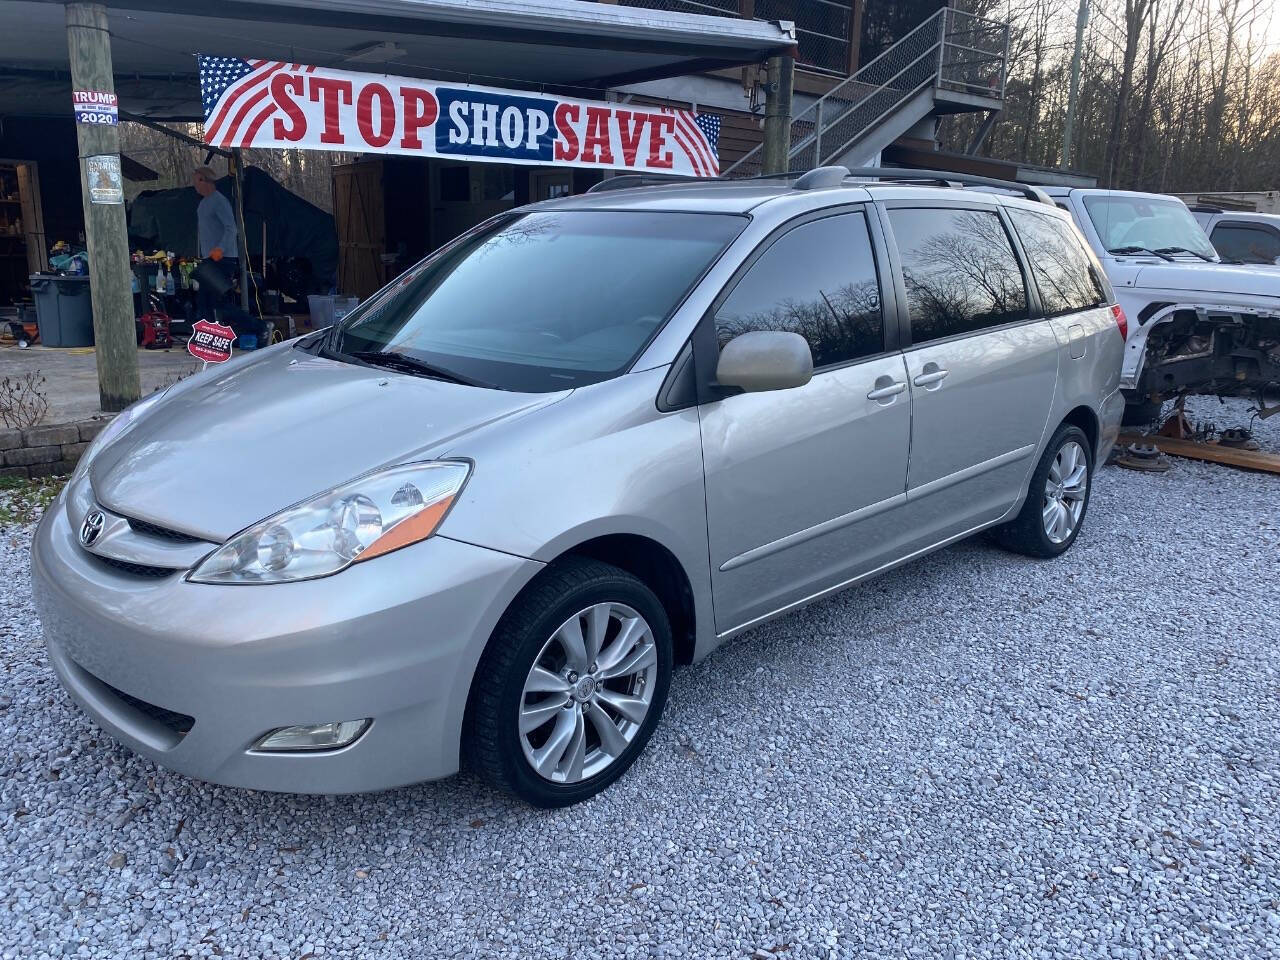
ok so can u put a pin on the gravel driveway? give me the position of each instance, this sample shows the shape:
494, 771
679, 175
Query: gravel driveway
975, 756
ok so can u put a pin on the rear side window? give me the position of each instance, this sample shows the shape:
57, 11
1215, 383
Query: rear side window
960, 271
1246, 244
1066, 277
818, 280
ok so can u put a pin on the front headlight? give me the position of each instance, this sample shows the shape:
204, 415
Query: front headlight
359, 520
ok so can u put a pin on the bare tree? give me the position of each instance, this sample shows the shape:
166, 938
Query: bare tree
1175, 95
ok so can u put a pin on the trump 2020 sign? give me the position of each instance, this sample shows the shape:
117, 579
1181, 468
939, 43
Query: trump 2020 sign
268, 103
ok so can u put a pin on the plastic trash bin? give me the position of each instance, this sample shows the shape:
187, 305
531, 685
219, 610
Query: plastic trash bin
64, 310
342, 306
321, 309
328, 309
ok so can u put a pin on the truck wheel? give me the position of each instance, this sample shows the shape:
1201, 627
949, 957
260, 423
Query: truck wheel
1057, 498
571, 685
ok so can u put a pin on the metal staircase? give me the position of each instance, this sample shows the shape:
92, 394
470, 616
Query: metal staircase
953, 62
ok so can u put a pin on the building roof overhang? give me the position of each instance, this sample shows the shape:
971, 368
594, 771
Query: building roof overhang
566, 45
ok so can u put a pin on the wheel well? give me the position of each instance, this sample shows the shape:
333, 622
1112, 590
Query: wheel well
659, 570
1086, 420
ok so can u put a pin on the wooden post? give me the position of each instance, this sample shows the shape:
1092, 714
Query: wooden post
779, 81
855, 35
106, 234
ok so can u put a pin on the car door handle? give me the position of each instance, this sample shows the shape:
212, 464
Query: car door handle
884, 393
932, 377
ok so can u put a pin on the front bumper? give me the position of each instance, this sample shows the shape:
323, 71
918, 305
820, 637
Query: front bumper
395, 639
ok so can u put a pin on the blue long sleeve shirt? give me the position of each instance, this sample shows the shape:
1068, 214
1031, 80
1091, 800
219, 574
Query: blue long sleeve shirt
216, 226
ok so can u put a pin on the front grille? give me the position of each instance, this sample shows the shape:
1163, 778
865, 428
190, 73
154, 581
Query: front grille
135, 569
164, 533
178, 723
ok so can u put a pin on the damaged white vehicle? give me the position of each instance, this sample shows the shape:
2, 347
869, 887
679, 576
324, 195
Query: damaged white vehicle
1196, 325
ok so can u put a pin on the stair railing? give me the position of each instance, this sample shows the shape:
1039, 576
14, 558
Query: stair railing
951, 49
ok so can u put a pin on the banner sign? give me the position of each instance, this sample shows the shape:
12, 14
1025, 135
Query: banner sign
96, 107
268, 103
211, 342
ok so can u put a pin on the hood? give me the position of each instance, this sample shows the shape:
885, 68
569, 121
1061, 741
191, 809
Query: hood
1210, 278
229, 448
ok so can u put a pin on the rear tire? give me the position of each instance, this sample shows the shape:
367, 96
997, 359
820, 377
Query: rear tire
571, 685
1057, 498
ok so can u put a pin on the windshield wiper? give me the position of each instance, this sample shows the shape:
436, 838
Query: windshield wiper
404, 363
1194, 253
1134, 249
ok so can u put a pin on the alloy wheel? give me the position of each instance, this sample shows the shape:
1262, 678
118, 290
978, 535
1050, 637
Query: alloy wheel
1065, 490
588, 693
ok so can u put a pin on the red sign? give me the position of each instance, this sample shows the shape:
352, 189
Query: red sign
210, 342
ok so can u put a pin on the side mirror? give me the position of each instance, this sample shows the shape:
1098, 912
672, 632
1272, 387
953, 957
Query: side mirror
765, 360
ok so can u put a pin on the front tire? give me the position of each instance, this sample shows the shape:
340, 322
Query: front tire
571, 685
1057, 498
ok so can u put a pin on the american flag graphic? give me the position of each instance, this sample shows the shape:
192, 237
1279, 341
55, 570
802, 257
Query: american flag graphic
698, 136
233, 92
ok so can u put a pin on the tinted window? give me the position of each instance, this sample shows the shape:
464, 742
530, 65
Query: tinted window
960, 271
1247, 244
545, 300
1064, 274
817, 280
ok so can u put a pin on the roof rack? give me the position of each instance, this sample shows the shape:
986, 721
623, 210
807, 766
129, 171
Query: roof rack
1206, 208
834, 176
823, 176
626, 181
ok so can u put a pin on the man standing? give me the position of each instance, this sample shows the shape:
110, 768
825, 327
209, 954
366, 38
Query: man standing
216, 238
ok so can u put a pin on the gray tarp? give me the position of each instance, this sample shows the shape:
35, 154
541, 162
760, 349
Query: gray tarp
295, 228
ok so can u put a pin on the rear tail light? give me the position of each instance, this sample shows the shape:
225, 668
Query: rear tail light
1122, 322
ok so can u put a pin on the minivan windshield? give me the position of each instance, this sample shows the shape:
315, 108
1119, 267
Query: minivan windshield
1132, 224
538, 301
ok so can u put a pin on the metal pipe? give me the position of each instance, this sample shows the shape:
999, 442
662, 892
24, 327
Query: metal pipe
817, 138
237, 164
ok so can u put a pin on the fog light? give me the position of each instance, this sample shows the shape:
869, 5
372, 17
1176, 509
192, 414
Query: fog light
313, 736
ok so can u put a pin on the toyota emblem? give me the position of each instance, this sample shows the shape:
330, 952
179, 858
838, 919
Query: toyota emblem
91, 529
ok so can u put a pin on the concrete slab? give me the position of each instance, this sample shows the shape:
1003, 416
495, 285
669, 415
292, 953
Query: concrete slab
71, 375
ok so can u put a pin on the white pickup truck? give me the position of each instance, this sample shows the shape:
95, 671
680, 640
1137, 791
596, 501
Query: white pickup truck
1196, 324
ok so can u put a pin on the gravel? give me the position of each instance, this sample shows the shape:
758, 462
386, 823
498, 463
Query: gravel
974, 756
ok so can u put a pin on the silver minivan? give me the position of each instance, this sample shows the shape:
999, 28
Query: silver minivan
479, 521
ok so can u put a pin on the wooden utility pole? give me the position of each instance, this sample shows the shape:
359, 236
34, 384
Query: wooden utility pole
1068, 128
106, 234
779, 81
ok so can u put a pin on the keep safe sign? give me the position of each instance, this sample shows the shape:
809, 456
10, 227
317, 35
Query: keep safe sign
269, 103
211, 342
